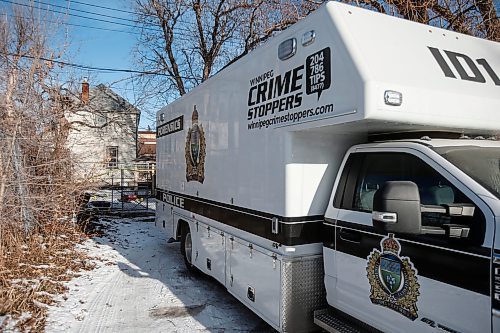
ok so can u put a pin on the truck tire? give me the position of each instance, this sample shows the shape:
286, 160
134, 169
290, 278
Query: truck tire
187, 247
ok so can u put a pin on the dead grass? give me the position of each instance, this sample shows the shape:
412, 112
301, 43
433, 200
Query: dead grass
33, 272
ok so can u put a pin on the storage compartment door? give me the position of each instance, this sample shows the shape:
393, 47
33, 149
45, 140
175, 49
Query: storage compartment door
254, 277
211, 252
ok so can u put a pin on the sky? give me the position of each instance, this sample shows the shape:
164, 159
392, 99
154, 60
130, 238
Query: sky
90, 44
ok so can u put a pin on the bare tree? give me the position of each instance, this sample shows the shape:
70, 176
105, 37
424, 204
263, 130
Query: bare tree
187, 41
473, 17
38, 192
35, 165
20, 40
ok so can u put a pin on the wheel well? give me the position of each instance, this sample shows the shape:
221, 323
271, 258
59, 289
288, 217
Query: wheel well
181, 224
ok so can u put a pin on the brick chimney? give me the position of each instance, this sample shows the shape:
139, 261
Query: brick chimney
85, 92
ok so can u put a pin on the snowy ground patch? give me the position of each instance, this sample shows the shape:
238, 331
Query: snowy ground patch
140, 284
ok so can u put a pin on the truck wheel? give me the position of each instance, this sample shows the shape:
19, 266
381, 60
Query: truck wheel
187, 247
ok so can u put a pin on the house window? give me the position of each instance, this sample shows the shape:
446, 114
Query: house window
112, 156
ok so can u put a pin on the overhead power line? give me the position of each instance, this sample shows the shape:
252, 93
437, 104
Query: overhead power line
137, 23
80, 25
115, 9
150, 27
79, 16
84, 11
179, 37
95, 28
93, 68
103, 7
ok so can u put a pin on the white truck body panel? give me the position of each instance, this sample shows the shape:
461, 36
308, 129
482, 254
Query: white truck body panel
365, 63
250, 157
253, 269
438, 302
391, 54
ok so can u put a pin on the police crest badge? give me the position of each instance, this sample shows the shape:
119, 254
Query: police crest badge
393, 279
195, 151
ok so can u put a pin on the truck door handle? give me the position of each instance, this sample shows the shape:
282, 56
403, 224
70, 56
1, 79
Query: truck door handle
350, 235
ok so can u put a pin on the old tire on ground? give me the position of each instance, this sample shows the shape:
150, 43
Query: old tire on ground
187, 247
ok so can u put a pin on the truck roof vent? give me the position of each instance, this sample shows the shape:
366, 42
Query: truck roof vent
479, 137
426, 138
464, 137
287, 49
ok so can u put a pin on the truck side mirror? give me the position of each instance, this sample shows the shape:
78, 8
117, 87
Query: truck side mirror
396, 208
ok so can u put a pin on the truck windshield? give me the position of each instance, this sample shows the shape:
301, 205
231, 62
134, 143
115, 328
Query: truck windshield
481, 163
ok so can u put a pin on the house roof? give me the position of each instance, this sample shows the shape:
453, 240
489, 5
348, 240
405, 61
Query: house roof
110, 100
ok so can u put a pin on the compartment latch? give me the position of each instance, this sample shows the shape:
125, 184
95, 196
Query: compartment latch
251, 293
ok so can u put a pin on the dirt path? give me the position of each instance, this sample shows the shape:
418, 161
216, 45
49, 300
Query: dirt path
141, 285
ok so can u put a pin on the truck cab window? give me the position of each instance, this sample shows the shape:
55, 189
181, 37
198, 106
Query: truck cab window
434, 190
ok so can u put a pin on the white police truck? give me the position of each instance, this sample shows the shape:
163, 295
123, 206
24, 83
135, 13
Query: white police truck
346, 174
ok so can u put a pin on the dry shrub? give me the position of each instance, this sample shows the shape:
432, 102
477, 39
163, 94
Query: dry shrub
33, 271
39, 194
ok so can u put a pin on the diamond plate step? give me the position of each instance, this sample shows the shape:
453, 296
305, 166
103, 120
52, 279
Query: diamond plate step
334, 321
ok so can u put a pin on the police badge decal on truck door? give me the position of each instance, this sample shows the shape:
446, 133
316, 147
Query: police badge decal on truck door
195, 151
393, 279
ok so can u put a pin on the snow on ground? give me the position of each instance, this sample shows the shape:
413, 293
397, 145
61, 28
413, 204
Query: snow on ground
141, 285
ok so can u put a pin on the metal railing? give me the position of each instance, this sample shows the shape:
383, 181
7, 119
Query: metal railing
124, 197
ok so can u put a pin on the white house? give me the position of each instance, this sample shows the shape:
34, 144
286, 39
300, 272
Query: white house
103, 136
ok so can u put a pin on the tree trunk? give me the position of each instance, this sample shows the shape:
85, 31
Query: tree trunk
17, 154
21, 186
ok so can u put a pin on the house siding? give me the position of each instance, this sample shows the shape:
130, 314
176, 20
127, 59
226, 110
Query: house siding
106, 121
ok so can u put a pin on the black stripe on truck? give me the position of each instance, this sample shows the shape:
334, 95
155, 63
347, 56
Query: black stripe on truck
461, 269
292, 230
